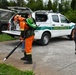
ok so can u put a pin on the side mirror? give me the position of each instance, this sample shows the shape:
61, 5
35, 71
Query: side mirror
69, 21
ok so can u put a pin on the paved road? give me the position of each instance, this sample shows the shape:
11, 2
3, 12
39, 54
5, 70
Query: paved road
57, 58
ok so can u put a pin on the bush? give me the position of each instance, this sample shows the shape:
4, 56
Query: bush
71, 15
5, 37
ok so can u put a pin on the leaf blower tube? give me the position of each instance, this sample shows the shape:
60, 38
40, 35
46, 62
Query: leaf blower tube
12, 51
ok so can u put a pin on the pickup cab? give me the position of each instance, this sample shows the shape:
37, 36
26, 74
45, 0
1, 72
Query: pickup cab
50, 25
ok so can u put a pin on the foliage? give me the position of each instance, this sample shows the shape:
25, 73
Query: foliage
55, 5
71, 15
20, 2
12, 3
10, 70
73, 4
31, 6
39, 4
4, 4
64, 6
49, 5
5, 37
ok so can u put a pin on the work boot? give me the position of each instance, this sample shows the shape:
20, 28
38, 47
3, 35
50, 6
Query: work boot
22, 50
28, 60
24, 58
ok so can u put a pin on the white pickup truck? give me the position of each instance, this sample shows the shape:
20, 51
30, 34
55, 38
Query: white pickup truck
50, 25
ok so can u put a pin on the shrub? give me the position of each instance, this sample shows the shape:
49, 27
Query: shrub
10, 70
71, 15
5, 37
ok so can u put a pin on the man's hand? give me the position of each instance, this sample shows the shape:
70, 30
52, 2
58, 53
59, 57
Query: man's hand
22, 40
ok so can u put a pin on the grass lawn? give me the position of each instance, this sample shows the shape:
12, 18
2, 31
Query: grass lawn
5, 37
10, 70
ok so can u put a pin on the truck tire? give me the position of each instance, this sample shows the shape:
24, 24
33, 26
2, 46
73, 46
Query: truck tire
70, 36
45, 39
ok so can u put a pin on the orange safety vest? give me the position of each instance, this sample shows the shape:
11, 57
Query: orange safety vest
23, 27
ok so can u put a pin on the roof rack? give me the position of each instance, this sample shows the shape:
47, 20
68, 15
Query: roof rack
5, 10
45, 11
19, 9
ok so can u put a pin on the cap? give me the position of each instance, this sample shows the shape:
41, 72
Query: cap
15, 18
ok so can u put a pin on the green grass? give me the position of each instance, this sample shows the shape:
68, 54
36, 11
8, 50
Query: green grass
10, 70
5, 37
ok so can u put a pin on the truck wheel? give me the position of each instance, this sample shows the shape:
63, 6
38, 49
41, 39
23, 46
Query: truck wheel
45, 39
70, 36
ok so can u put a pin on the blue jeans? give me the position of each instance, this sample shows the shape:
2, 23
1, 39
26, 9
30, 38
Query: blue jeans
23, 45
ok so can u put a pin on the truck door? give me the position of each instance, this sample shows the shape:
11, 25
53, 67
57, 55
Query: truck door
55, 26
65, 25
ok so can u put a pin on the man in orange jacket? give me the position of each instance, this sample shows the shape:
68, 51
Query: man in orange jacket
27, 35
23, 28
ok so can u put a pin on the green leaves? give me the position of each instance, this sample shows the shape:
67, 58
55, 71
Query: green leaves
73, 4
5, 37
10, 70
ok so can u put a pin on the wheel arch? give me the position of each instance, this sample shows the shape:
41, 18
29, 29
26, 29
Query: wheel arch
70, 36
47, 32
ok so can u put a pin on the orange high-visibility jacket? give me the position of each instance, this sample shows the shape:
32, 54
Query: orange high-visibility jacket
22, 24
23, 27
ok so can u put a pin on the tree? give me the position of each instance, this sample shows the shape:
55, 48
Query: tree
45, 6
12, 3
49, 5
3, 4
55, 5
73, 4
66, 6
31, 4
39, 4
61, 6
20, 2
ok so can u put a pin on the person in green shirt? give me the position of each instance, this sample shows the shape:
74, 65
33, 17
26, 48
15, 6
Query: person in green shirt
29, 38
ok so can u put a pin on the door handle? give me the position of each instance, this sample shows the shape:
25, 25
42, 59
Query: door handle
62, 25
53, 24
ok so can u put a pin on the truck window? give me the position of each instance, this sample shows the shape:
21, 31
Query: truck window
41, 17
4, 15
63, 19
55, 18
